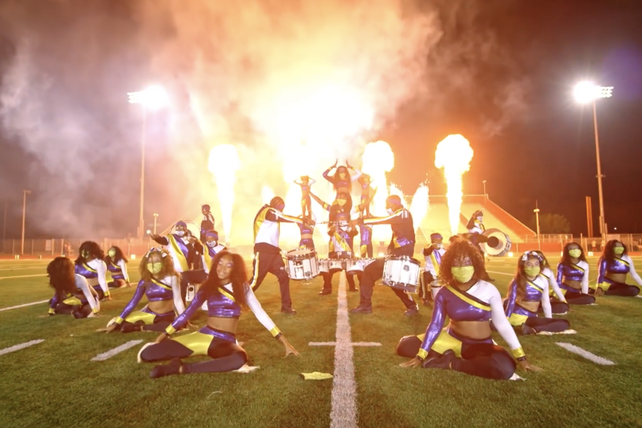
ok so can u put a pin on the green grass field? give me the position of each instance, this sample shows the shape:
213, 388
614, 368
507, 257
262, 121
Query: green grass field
55, 383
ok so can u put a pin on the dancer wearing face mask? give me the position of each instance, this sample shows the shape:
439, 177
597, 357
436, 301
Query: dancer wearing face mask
559, 304
401, 244
160, 283
306, 203
470, 303
307, 232
367, 195
267, 254
613, 266
208, 221
90, 264
573, 274
525, 293
433, 254
73, 294
342, 181
117, 267
226, 292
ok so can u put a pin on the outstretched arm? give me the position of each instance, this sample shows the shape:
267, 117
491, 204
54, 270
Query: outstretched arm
320, 202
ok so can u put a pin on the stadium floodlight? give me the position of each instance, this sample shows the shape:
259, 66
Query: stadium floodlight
587, 92
153, 97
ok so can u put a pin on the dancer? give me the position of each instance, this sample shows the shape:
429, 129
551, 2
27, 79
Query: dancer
226, 291
160, 283
402, 243
367, 195
306, 185
559, 304
90, 264
117, 267
525, 293
613, 266
342, 234
573, 274
267, 254
433, 254
307, 231
465, 344
73, 295
342, 181
208, 221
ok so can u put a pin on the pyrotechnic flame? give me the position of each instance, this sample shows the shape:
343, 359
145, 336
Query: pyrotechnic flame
378, 159
454, 155
223, 164
267, 194
420, 205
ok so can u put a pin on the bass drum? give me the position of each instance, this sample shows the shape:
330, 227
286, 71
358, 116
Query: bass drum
497, 243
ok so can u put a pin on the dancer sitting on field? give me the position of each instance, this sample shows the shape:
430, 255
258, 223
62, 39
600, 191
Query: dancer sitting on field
525, 293
90, 264
73, 293
573, 274
470, 303
160, 284
613, 266
117, 267
558, 304
226, 291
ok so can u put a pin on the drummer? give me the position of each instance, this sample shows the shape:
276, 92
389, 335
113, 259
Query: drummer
366, 250
401, 244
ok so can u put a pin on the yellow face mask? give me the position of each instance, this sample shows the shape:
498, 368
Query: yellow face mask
155, 268
531, 271
618, 251
463, 274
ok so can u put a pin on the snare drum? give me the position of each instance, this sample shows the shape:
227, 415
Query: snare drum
354, 266
302, 264
324, 266
366, 262
402, 273
335, 265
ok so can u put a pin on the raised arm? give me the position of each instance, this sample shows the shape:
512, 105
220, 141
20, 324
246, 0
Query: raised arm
311, 181
326, 173
357, 175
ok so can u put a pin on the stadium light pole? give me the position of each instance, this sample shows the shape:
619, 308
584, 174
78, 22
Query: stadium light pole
24, 212
536, 211
484, 183
587, 92
152, 97
155, 219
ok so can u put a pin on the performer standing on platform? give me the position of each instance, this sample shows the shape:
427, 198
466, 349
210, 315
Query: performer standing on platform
90, 264
573, 275
613, 266
208, 222
401, 244
267, 254
367, 195
342, 181
117, 267
432, 253
306, 185
307, 232
73, 295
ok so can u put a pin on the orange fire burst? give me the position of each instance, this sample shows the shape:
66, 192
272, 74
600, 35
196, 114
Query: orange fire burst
223, 164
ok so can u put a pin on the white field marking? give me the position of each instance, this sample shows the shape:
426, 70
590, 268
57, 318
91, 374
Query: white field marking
20, 346
586, 354
22, 276
23, 305
353, 344
117, 350
344, 387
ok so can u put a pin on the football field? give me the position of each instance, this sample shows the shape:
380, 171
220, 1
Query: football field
56, 371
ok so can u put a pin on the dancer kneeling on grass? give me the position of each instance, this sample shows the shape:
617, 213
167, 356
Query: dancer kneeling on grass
117, 267
161, 284
613, 266
573, 274
73, 294
470, 303
559, 304
525, 293
225, 291
90, 264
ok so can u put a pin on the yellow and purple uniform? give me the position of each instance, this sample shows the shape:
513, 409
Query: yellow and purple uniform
155, 290
619, 265
77, 303
95, 271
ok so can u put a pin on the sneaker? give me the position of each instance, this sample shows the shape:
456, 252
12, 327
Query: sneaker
527, 331
325, 291
288, 311
361, 309
174, 367
413, 310
440, 361
353, 289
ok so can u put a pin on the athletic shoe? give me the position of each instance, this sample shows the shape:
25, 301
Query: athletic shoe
288, 311
325, 291
361, 309
413, 310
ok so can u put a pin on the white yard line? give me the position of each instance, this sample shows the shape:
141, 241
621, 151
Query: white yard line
344, 387
22, 276
586, 354
23, 305
117, 350
20, 346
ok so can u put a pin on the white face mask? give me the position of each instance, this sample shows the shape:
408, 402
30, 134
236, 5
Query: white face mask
479, 219
180, 232
439, 246
212, 244
390, 211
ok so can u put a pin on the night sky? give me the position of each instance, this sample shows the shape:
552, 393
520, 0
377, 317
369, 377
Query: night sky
500, 73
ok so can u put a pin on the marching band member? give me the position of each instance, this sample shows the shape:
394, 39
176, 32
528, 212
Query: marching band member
465, 345
573, 274
160, 283
90, 264
307, 232
208, 221
366, 252
213, 248
613, 266
402, 243
117, 267
306, 185
367, 195
433, 254
73, 294
525, 293
267, 254
475, 235
226, 291
559, 305
342, 181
